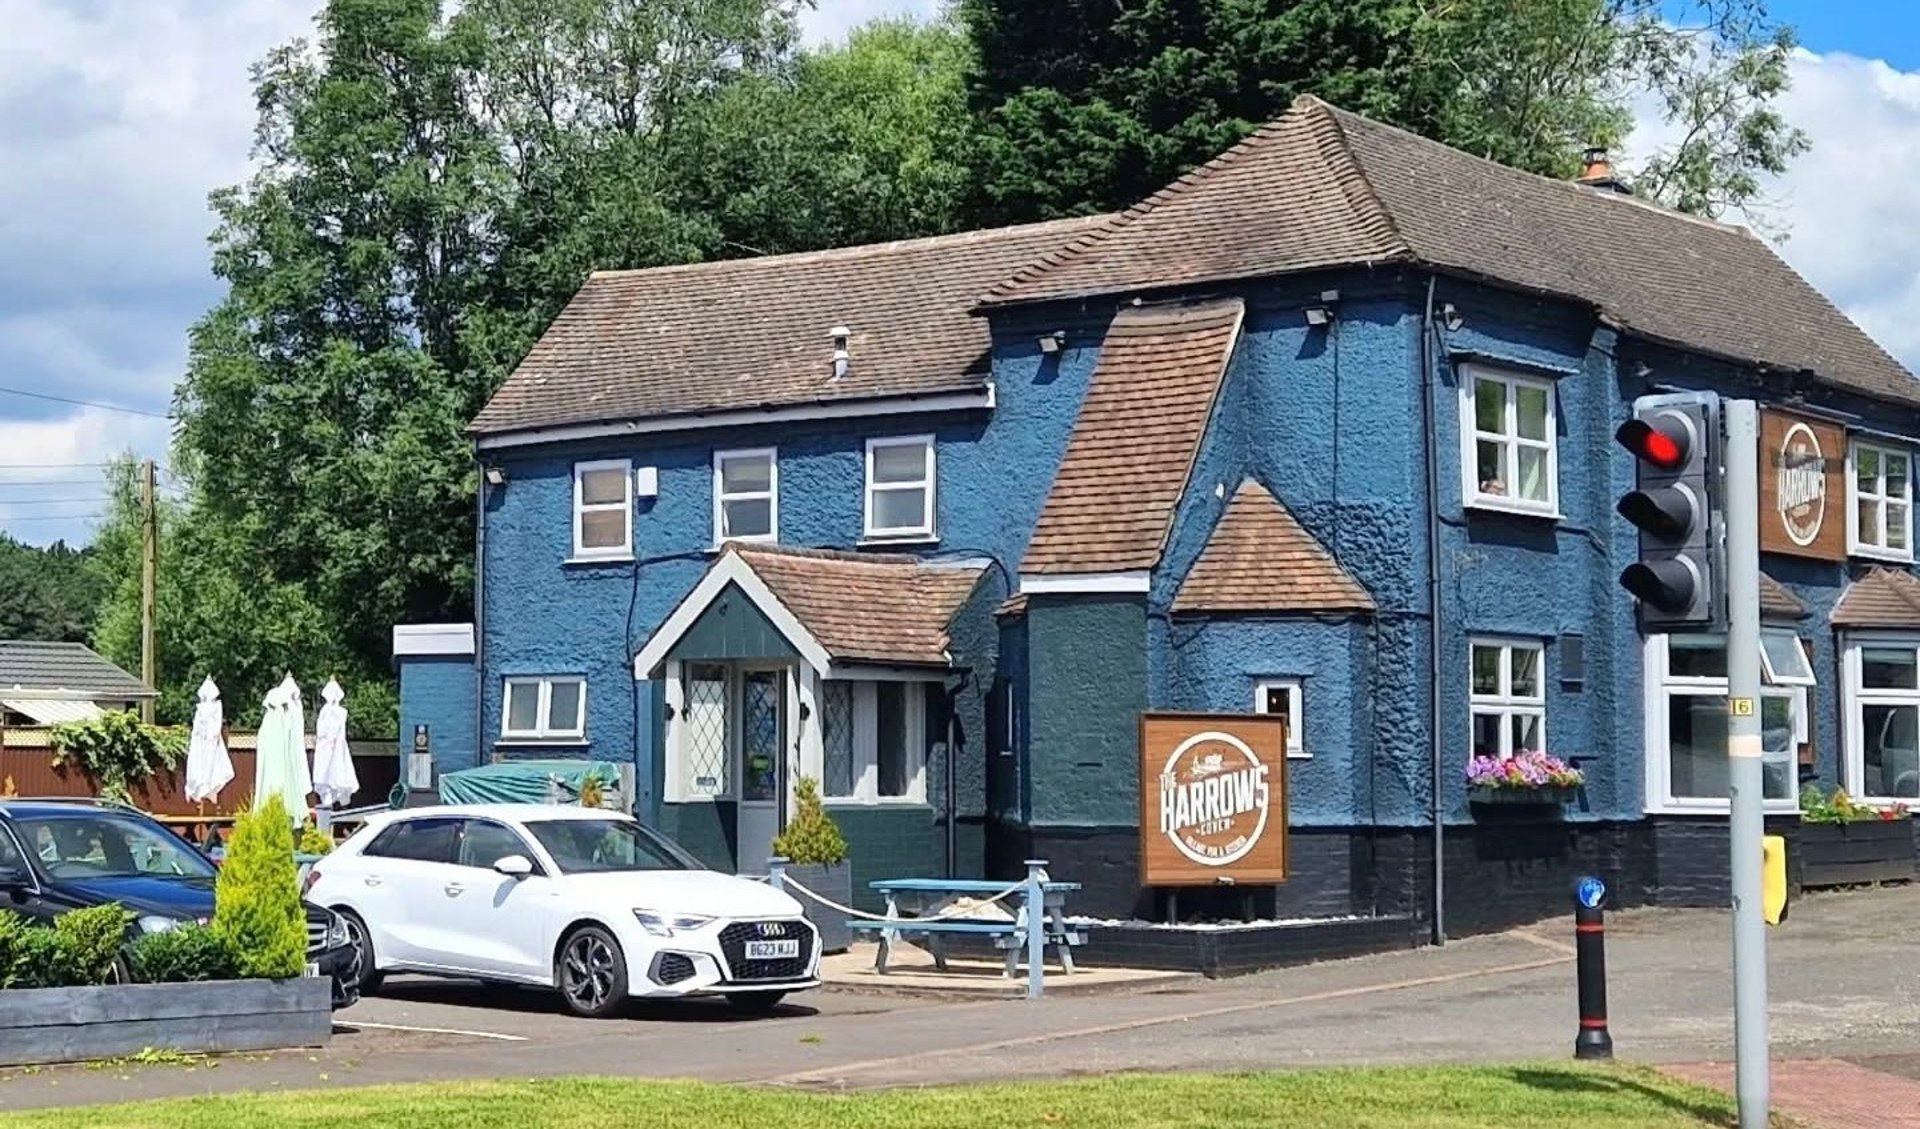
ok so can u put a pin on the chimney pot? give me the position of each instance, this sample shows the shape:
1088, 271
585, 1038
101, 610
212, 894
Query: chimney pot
1596, 171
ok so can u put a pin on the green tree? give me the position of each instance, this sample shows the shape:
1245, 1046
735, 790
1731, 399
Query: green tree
1084, 106
49, 593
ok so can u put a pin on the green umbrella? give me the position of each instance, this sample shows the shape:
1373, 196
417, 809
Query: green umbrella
280, 757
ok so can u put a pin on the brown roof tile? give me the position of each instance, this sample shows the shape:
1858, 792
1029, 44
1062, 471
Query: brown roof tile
865, 607
1778, 602
1259, 559
1320, 187
1135, 439
748, 333
1884, 597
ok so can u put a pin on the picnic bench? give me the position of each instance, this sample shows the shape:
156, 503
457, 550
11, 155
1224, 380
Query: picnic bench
911, 895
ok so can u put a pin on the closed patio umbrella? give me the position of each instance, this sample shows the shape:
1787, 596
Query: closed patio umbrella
334, 779
209, 768
280, 762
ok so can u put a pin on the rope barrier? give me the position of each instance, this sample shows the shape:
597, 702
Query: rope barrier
956, 912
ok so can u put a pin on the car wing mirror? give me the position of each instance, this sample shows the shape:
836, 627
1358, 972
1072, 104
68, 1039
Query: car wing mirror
14, 878
514, 866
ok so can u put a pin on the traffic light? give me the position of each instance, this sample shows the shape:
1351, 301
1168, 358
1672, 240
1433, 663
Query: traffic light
1675, 441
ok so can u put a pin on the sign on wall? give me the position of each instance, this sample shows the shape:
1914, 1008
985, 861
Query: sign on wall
1213, 799
1803, 486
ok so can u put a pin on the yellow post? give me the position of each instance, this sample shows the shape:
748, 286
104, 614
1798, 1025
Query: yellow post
1773, 879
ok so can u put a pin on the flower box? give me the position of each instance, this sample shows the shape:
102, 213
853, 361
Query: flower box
47, 1025
1549, 796
1855, 853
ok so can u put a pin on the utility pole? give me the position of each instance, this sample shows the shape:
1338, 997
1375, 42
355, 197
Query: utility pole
1744, 775
149, 569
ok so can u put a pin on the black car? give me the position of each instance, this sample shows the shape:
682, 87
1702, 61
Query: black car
59, 855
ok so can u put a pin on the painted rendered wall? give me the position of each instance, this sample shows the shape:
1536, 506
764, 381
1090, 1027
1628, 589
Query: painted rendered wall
437, 691
1087, 683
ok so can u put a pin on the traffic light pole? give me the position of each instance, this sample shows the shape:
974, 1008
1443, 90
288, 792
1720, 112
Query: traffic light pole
1744, 777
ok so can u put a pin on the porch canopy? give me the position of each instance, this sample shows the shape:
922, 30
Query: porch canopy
833, 612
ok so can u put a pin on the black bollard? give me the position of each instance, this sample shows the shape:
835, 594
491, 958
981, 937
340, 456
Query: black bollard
1590, 947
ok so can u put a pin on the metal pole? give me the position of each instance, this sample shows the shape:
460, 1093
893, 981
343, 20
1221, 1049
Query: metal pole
1036, 921
1741, 492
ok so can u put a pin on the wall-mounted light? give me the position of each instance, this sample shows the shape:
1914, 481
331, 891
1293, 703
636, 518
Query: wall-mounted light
496, 476
1321, 312
1050, 343
1450, 317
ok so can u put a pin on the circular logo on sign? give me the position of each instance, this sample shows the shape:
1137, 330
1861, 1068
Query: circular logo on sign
1213, 798
1801, 484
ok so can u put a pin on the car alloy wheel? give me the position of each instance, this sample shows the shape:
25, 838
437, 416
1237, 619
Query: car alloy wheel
363, 974
593, 976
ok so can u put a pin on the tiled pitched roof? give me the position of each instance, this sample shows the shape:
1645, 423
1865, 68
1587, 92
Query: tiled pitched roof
1320, 187
865, 607
1259, 559
71, 667
749, 333
1778, 602
1884, 597
1135, 439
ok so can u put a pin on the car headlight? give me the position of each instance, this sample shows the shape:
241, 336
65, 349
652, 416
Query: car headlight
154, 923
337, 934
666, 924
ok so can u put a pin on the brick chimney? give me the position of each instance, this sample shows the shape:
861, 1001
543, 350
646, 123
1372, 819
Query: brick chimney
1596, 171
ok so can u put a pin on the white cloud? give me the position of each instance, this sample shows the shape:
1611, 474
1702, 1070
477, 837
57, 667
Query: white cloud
832, 19
53, 483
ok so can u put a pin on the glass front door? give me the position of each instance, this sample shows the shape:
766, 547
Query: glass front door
762, 712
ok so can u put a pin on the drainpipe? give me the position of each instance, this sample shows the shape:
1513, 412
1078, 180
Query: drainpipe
1428, 360
479, 614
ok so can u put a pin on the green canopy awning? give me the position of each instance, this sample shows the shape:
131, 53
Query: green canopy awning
527, 782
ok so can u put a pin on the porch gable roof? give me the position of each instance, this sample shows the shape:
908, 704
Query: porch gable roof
834, 608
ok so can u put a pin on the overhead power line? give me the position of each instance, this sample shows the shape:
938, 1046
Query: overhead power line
85, 403
7, 502
89, 516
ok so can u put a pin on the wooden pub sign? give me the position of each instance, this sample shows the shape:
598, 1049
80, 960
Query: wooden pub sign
1213, 799
1803, 486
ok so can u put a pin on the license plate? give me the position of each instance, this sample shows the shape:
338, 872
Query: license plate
313, 968
772, 950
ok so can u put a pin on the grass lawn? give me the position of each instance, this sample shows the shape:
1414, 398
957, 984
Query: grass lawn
1450, 1098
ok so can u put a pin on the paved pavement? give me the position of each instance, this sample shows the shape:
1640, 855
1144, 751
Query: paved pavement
1843, 988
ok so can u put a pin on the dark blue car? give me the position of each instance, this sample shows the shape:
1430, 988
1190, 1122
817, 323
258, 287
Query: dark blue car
60, 855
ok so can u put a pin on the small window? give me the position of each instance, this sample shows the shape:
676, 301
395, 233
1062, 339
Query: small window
1784, 657
1282, 696
1881, 712
544, 708
415, 840
746, 495
900, 494
873, 741
1880, 519
1507, 698
1508, 454
603, 509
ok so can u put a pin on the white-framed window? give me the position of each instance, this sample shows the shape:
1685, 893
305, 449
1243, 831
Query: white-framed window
1881, 707
544, 709
873, 741
746, 495
1283, 696
900, 493
1508, 454
1686, 720
1507, 696
603, 509
1880, 509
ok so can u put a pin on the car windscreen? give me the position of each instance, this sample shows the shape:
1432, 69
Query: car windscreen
599, 846
83, 845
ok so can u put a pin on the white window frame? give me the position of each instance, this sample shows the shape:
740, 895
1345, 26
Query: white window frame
922, 532
866, 744
622, 551
1859, 544
1854, 696
1296, 692
1505, 703
543, 729
1470, 377
771, 494
1659, 685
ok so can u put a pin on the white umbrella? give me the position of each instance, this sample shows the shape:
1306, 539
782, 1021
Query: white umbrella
280, 759
209, 768
334, 779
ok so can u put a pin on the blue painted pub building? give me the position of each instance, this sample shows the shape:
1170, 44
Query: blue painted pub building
1323, 428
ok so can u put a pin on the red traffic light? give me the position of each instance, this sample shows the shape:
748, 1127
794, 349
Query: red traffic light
1665, 441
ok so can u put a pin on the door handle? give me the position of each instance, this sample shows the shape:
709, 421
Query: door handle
372, 880
453, 889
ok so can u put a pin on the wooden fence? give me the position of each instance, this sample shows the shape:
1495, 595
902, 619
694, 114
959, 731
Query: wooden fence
26, 769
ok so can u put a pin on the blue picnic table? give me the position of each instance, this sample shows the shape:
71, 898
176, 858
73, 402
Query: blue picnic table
908, 898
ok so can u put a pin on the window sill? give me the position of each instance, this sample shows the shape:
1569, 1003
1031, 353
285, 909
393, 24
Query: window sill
542, 742
1489, 506
880, 540
878, 802
1720, 807
590, 561
716, 549
1890, 556
1299, 755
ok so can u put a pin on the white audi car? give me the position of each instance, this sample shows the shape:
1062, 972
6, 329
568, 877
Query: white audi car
586, 901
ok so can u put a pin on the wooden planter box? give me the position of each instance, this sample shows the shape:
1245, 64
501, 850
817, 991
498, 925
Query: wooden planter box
44, 1025
1849, 854
834, 883
1530, 797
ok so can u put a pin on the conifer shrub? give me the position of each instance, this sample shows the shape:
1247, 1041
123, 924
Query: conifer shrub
256, 901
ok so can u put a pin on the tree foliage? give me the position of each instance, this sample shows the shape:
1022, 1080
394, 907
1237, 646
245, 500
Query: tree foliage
48, 594
1084, 106
256, 898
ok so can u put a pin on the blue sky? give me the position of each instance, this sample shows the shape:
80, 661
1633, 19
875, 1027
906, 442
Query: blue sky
118, 116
